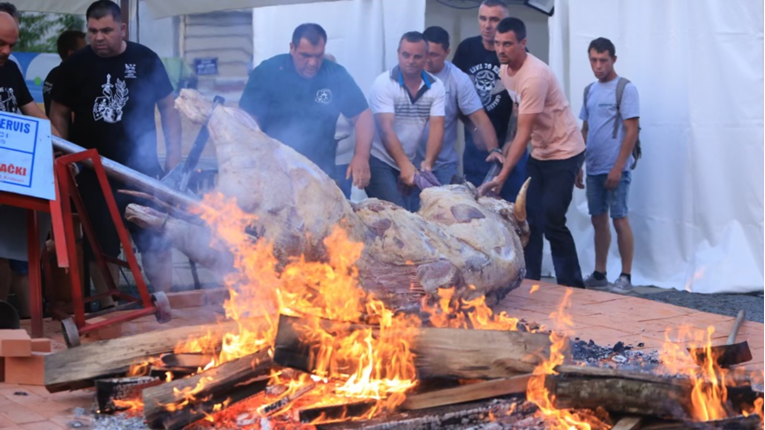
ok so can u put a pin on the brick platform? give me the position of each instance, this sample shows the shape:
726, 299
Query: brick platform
603, 317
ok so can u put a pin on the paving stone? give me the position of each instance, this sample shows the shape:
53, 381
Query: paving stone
42, 345
26, 370
15, 343
21, 415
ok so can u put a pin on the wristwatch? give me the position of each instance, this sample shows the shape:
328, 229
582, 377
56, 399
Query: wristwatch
497, 150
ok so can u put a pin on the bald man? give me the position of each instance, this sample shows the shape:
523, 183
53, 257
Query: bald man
14, 94
14, 98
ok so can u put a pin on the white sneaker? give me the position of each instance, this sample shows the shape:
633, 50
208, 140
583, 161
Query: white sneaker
622, 285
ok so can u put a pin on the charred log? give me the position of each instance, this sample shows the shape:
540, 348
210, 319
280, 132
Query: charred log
175, 404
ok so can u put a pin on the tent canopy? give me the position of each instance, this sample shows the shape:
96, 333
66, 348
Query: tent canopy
165, 8
159, 8
77, 7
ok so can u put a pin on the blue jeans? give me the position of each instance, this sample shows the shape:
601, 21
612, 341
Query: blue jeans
600, 200
444, 174
383, 185
547, 201
513, 183
344, 184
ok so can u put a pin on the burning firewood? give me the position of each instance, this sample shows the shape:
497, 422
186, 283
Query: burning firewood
77, 368
341, 412
622, 391
439, 352
467, 393
111, 393
740, 422
175, 404
455, 240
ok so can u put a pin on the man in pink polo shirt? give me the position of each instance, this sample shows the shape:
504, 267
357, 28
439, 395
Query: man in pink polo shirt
545, 118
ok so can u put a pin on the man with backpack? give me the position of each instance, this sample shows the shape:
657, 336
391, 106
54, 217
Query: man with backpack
611, 113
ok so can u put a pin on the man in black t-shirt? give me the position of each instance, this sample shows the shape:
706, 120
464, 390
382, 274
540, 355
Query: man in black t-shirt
14, 98
476, 57
297, 98
67, 44
113, 88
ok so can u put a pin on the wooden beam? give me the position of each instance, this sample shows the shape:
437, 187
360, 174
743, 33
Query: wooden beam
620, 391
78, 367
480, 354
467, 393
628, 423
439, 352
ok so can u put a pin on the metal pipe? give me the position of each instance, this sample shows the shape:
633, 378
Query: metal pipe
129, 176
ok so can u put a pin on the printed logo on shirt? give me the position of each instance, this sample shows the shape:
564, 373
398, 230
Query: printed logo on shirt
109, 106
130, 71
8, 101
47, 87
487, 83
324, 96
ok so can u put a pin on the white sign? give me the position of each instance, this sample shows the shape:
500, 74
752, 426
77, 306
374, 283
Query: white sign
26, 156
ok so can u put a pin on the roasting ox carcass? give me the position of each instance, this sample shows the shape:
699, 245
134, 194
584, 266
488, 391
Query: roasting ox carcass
455, 240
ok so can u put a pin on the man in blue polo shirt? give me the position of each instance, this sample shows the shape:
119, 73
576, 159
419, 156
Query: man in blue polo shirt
297, 98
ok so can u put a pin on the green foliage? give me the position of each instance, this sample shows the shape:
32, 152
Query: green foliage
38, 32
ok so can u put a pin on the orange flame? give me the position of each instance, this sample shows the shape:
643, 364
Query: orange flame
756, 409
449, 312
372, 364
536, 392
710, 392
130, 407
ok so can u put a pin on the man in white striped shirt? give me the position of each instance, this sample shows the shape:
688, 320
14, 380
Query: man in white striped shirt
404, 100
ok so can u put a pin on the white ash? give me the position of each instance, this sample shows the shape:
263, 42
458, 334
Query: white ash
620, 355
119, 422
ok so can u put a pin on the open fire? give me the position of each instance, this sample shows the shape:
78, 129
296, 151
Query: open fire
367, 370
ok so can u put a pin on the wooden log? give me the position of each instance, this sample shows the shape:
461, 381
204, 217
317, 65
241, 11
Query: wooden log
78, 367
467, 393
629, 422
452, 416
333, 413
189, 360
480, 354
740, 422
109, 392
620, 391
230, 382
277, 405
439, 352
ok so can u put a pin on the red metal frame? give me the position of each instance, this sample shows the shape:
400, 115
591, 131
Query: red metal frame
32, 206
66, 248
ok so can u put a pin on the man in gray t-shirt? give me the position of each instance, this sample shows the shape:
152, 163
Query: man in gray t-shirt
607, 161
462, 100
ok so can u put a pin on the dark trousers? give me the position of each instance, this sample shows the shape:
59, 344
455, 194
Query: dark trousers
547, 201
383, 185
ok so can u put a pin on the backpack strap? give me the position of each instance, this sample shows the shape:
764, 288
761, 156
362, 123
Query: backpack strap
620, 85
586, 95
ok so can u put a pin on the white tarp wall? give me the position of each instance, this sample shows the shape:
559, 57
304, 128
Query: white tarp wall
696, 199
362, 34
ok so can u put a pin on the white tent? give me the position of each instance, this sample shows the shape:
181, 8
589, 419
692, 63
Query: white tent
159, 8
77, 7
165, 8
697, 196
